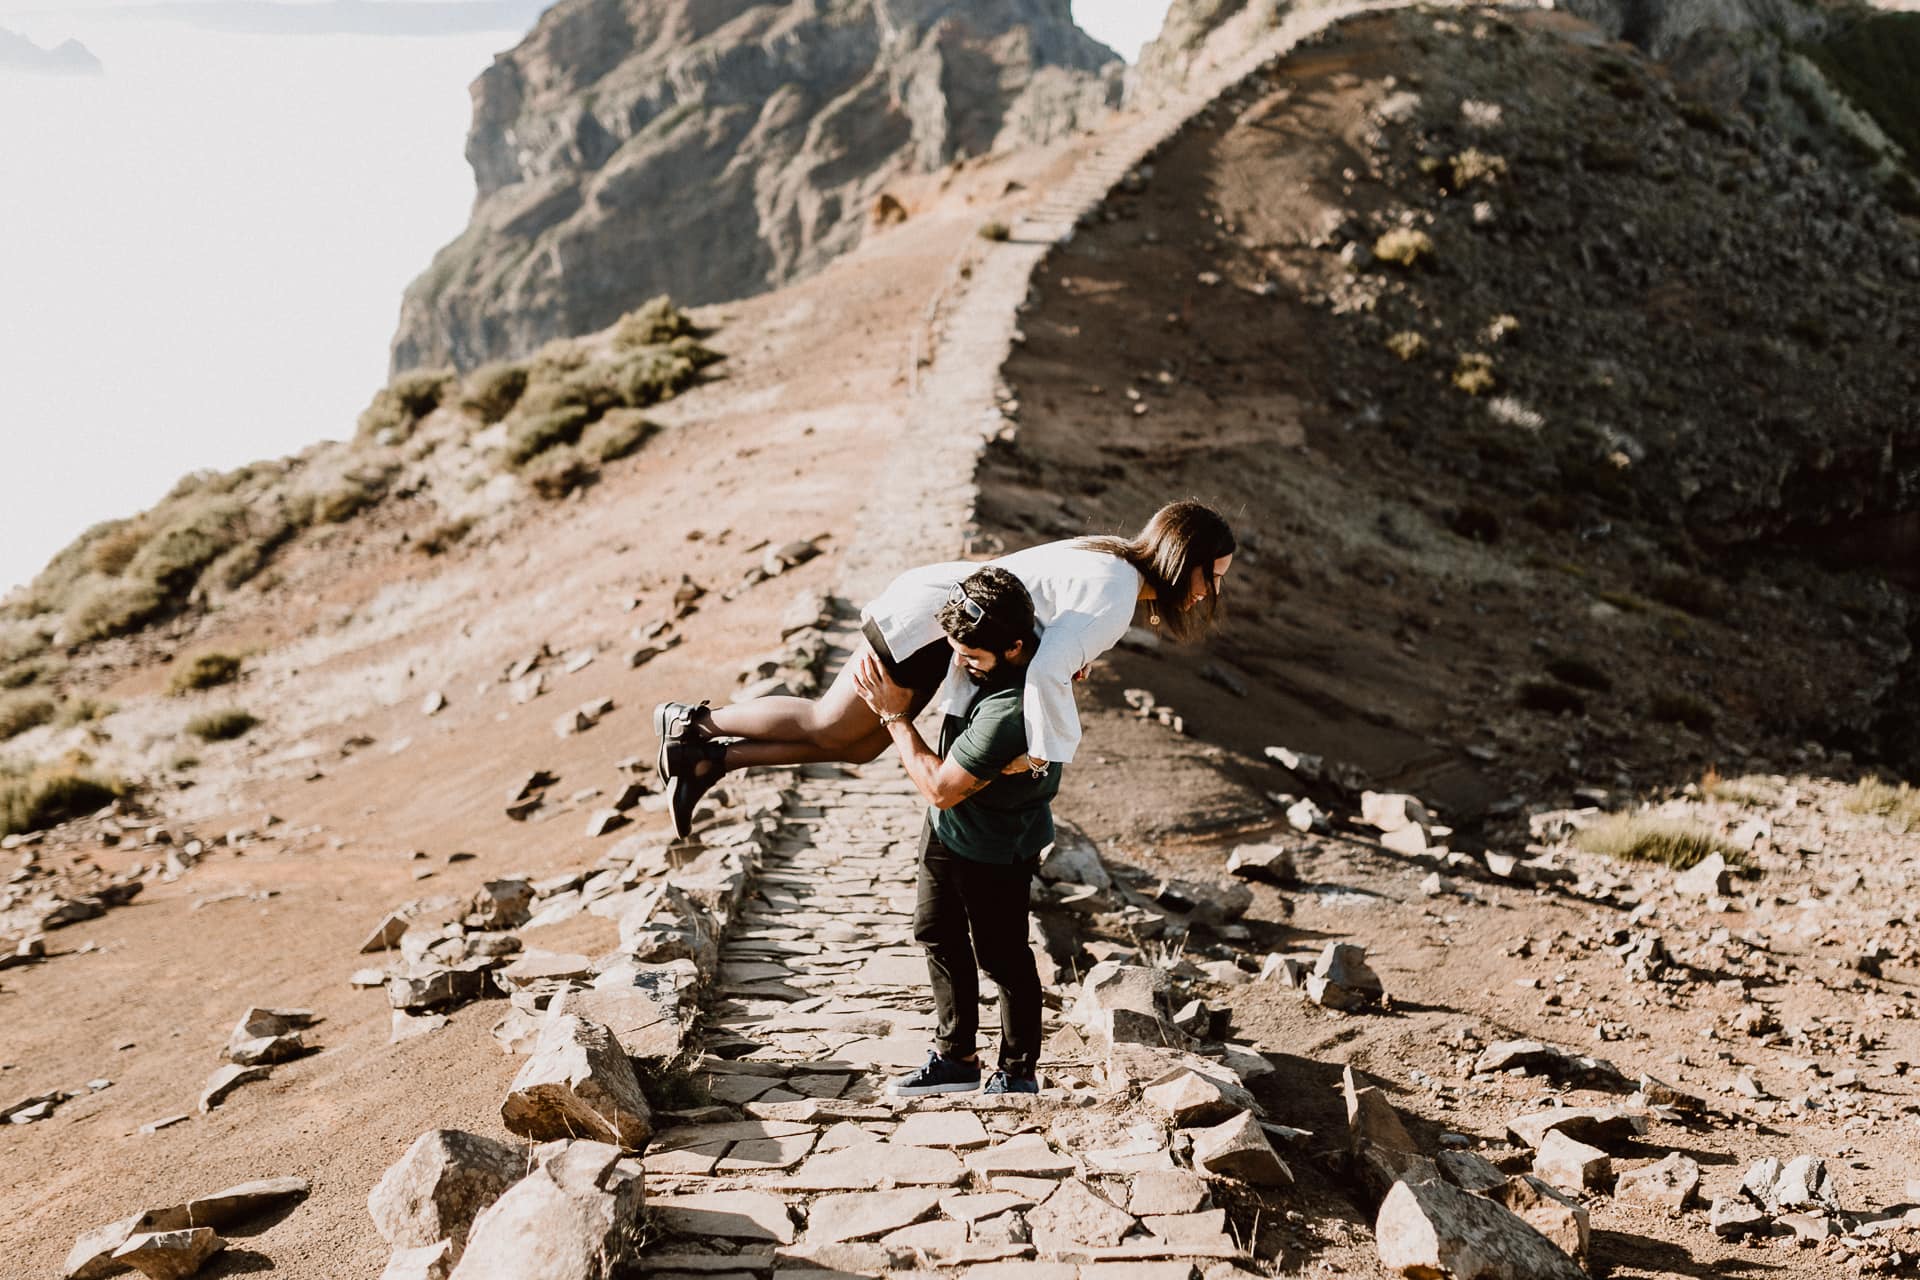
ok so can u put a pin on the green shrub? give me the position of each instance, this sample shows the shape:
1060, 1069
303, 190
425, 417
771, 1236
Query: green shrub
558, 472
1403, 246
84, 711
355, 492
655, 322
994, 230
219, 726
206, 671
1899, 803
648, 376
23, 711
530, 437
46, 798
173, 558
1681, 709
111, 608
1407, 344
443, 535
399, 406
1474, 373
1551, 698
691, 350
113, 551
1474, 165
491, 391
21, 641
1646, 839
1579, 673
616, 436
22, 674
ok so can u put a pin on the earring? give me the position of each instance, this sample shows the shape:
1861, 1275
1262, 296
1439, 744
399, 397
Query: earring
1153, 615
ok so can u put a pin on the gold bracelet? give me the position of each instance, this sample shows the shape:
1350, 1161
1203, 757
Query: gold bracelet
892, 717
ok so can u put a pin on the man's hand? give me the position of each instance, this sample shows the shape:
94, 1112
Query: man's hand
1026, 764
877, 689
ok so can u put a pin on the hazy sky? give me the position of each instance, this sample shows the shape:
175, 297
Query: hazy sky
202, 251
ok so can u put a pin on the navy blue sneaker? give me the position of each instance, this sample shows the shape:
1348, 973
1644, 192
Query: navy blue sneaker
939, 1075
1001, 1082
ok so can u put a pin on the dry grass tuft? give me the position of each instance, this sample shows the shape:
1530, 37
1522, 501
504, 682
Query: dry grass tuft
1753, 789
220, 726
1898, 803
206, 671
1640, 838
47, 797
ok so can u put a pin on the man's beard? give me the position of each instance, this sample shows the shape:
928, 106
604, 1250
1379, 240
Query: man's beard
977, 677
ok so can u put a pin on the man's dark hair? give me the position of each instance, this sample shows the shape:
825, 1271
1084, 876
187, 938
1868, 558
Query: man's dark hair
1005, 613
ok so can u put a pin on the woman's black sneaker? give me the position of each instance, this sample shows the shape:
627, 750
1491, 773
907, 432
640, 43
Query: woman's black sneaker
673, 724
939, 1075
690, 783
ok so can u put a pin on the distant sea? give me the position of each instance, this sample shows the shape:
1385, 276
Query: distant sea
202, 249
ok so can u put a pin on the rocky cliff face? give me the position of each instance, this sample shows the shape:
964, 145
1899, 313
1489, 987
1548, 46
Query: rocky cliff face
714, 148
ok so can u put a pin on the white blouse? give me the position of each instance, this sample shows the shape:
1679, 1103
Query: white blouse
1083, 601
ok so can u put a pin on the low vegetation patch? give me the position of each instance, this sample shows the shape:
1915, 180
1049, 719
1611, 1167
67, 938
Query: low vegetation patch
397, 408
654, 323
220, 726
206, 671
616, 436
443, 536
1898, 802
23, 711
84, 711
491, 391
1407, 344
1753, 789
1474, 373
46, 797
558, 472
1403, 246
1641, 838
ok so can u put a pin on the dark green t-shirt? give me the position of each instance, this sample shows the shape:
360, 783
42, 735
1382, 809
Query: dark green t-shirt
1008, 820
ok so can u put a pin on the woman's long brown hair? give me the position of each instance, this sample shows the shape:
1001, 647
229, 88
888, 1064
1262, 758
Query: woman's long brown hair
1181, 537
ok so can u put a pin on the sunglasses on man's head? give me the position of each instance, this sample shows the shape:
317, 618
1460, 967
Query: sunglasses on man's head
967, 603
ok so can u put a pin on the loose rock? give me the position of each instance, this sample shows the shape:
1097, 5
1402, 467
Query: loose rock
578, 1082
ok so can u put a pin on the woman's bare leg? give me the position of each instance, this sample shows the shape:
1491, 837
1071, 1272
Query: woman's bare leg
797, 730
747, 755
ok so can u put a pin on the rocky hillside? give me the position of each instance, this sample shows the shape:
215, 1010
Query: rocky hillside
716, 148
1569, 417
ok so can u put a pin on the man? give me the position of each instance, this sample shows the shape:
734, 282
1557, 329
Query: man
990, 820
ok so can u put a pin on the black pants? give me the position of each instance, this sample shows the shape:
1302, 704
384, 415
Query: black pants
970, 912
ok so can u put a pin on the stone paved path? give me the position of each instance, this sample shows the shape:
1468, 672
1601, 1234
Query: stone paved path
822, 995
820, 998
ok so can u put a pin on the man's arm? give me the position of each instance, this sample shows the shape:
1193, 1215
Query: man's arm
943, 783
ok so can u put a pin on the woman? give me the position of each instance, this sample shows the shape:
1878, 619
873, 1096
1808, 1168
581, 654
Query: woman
1085, 592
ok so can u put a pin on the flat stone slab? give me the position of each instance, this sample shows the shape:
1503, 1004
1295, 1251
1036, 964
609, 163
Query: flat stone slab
1074, 1215
767, 1153
736, 1215
1029, 1155
866, 1166
692, 1135
986, 1204
865, 1214
961, 1129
